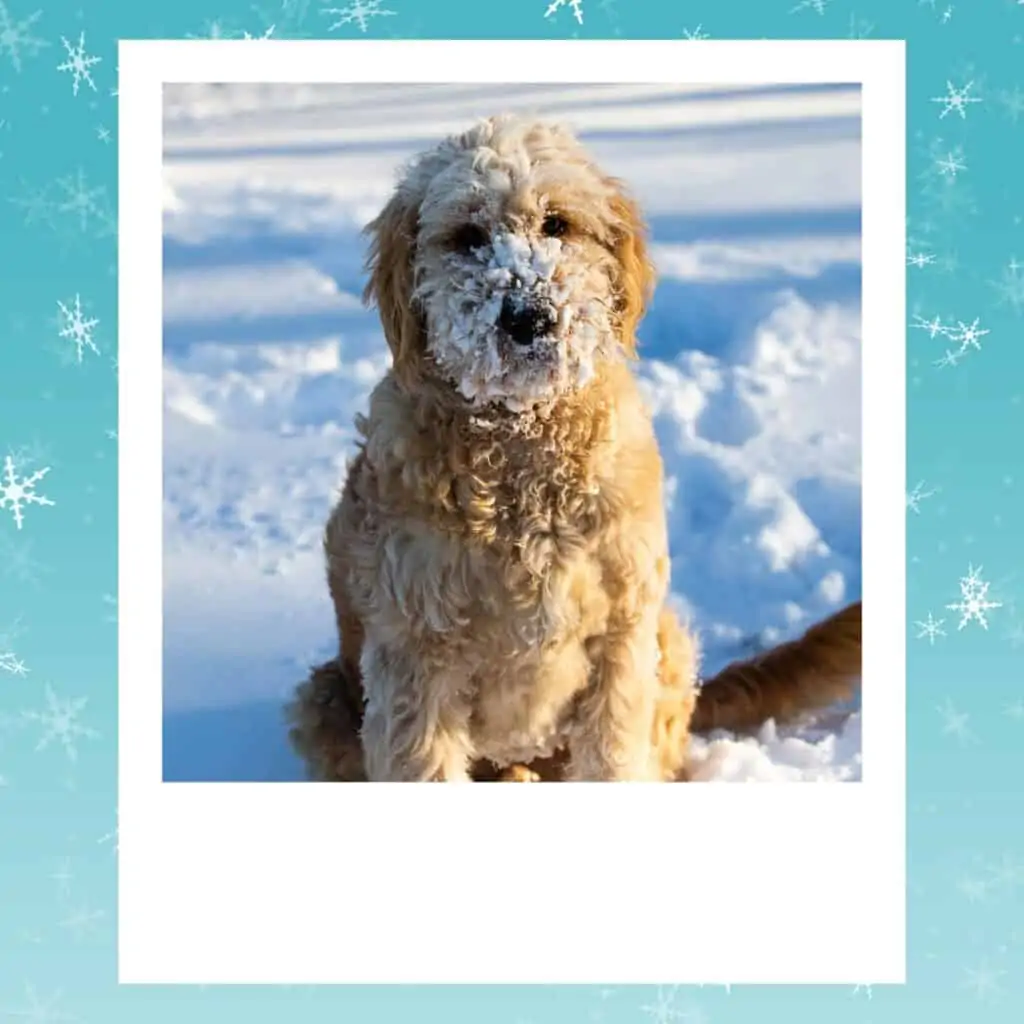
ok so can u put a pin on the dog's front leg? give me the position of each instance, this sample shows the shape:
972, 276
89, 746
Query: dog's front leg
416, 723
611, 741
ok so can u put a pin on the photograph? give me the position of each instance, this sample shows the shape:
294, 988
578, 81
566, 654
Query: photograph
512, 432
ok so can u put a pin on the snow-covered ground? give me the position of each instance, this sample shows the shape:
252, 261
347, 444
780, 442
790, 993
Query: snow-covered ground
751, 357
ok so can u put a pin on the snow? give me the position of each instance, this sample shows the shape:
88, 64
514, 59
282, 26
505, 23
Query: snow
750, 360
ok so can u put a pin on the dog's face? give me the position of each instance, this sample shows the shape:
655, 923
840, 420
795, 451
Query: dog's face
508, 265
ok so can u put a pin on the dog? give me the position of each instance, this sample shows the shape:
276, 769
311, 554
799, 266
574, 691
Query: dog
783, 684
498, 561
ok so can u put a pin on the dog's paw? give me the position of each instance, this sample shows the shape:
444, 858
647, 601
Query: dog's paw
519, 773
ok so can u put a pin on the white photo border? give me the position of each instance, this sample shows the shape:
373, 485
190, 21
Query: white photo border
643, 883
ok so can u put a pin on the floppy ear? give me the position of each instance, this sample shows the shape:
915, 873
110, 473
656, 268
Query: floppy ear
635, 284
390, 285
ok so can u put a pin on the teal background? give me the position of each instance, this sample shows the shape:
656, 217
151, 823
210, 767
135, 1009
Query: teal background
58, 574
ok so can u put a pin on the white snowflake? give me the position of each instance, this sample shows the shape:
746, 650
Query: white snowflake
866, 989
59, 721
40, 1010
818, 6
917, 495
695, 33
954, 723
956, 99
63, 877
933, 327
948, 358
81, 922
357, 13
9, 662
36, 205
77, 328
576, 6
16, 39
920, 259
17, 491
859, 28
964, 337
950, 165
1014, 103
967, 335
974, 603
17, 563
78, 63
930, 629
664, 1010
983, 980
81, 201
1010, 286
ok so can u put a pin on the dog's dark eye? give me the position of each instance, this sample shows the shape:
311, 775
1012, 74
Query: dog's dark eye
468, 238
554, 225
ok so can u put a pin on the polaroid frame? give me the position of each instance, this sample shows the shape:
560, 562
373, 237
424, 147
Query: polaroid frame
587, 883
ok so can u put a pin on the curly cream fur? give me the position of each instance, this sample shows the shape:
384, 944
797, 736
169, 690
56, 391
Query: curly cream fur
498, 560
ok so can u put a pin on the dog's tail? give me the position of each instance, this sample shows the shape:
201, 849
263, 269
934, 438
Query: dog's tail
815, 670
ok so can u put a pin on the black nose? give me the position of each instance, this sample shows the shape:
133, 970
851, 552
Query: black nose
524, 324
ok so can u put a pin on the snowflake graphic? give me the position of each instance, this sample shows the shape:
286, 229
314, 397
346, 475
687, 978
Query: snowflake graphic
1010, 286
36, 205
78, 63
664, 1010
9, 662
1014, 103
76, 328
974, 890
920, 259
963, 336
818, 6
17, 491
934, 326
967, 336
917, 495
576, 6
81, 201
956, 99
212, 30
866, 989
358, 13
974, 603
930, 629
40, 1010
81, 922
695, 33
950, 165
63, 877
17, 563
860, 28
954, 723
983, 980
16, 39
59, 721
